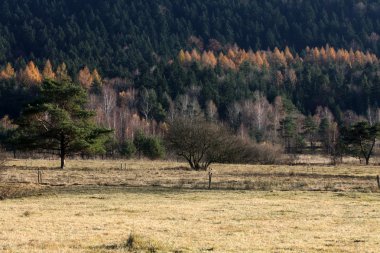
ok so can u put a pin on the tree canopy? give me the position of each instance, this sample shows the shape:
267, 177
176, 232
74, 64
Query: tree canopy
58, 122
360, 139
129, 34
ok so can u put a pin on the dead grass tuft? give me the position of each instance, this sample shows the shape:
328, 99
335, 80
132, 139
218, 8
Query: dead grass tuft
134, 243
18, 190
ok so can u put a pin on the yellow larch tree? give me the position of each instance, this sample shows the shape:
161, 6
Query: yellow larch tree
8, 72
96, 77
323, 54
278, 58
48, 72
85, 78
62, 73
259, 59
225, 62
288, 55
359, 57
31, 74
188, 58
316, 55
331, 54
181, 56
209, 59
195, 55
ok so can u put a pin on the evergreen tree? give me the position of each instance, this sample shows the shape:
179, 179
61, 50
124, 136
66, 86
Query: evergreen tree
58, 121
360, 139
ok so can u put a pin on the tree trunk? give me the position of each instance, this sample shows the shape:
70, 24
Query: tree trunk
367, 160
63, 151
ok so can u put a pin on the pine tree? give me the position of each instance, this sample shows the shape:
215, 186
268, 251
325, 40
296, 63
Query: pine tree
57, 121
310, 131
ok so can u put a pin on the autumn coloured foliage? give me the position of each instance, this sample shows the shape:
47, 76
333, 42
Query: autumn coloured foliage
31, 75
234, 57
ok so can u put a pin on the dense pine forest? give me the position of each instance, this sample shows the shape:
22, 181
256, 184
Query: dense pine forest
120, 36
285, 72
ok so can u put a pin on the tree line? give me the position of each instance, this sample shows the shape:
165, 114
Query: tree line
59, 122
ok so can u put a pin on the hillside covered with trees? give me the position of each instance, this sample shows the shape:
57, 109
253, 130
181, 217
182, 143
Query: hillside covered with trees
293, 73
120, 36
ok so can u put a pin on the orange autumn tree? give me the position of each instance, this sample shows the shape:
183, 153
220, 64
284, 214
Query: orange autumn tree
8, 72
62, 73
48, 72
85, 77
30, 75
233, 57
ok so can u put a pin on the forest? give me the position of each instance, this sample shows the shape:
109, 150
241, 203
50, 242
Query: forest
292, 73
119, 37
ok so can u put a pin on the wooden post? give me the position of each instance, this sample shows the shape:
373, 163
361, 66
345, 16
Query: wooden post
209, 178
378, 181
39, 176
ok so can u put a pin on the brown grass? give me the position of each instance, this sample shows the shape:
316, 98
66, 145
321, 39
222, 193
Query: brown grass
101, 220
95, 206
176, 175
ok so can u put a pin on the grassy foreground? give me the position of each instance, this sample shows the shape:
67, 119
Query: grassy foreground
192, 221
95, 206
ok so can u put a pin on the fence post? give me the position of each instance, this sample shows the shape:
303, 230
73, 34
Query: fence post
209, 178
39, 176
378, 181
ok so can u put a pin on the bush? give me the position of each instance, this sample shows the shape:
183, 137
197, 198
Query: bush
266, 154
127, 149
150, 147
139, 141
202, 143
153, 149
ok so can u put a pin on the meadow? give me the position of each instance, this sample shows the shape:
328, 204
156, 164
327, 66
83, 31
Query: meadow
145, 206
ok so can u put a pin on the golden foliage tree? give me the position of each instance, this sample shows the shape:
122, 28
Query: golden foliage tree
278, 58
85, 78
31, 75
48, 72
181, 56
8, 72
209, 59
288, 55
62, 73
96, 77
195, 55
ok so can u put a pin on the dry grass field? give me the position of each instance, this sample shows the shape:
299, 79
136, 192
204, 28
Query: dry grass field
97, 206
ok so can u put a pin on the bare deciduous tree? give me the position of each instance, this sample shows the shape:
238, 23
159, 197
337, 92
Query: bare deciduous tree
202, 143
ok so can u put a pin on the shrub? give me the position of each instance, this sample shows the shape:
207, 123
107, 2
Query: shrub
266, 153
153, 149
139, 142
127, 149
148, 146
202, 143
